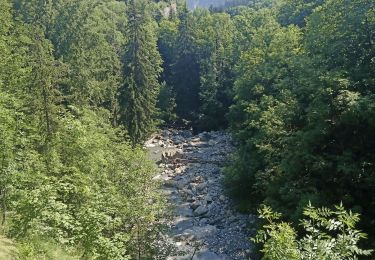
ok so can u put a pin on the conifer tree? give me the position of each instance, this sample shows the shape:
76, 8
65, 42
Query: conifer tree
215, 33
186, 71
142, 64
167, 43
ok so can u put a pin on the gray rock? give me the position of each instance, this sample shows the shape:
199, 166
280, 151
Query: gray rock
184, 237
195, 205
180, 185
252, 219
186, 134
208, 198
178, 139
169, 191
201, 210
170, 183
182, 223
184, 210
201, 186
215, 221
205, 136
190, 193
202, 232
203, 221
216, 171
208, 255
232, 219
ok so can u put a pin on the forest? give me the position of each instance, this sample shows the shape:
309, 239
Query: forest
85, 83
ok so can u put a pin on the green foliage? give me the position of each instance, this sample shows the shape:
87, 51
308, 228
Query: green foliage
213, 36
167, 104
303, 107
96, 40
167, 45
97, 201
296, 11
142, 70
330, 234
71, 186
264, 105
197, 52
36, 248
82, 84
185, 76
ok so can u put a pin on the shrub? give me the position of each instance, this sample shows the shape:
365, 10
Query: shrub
328, 234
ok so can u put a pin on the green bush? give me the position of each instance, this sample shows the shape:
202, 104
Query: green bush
328, 234
39, 249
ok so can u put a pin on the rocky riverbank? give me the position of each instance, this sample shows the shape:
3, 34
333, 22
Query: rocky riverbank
204, 224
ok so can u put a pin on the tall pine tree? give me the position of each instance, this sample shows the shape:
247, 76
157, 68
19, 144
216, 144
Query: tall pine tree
142, 64
186, 71
213, 35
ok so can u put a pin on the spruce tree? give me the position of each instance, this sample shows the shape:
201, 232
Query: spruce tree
142, 64
215, 34
186, 71
167, 43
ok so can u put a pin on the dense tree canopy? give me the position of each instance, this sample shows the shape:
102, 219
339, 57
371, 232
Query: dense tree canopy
303, 110
83, 83
69, 180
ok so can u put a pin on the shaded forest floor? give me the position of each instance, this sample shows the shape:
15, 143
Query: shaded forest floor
204, 223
